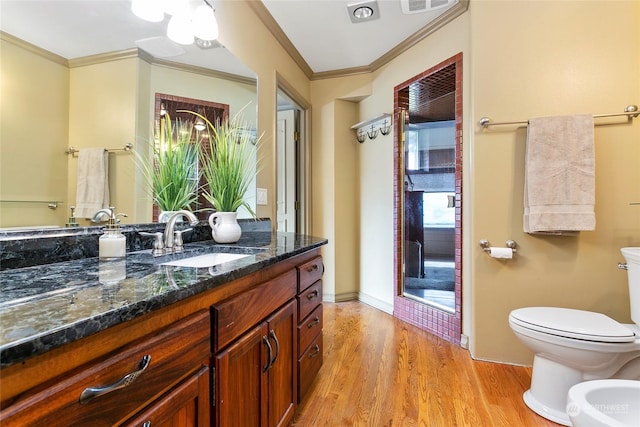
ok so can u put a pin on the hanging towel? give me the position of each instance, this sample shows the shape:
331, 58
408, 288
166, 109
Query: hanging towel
92, 193
559, 185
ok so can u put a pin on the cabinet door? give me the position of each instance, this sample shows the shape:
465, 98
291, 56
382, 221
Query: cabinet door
241, 380
187, 405
282, 376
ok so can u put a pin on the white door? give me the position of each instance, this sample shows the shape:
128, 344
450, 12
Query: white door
286, 172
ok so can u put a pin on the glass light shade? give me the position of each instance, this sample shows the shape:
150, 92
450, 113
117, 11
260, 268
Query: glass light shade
174, 7
179, 29
205, 26
199, 124
149, 10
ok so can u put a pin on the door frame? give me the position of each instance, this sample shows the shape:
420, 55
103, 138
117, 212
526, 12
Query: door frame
303, 157
439, 322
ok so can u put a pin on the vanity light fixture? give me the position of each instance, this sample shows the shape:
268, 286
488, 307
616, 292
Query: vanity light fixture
186, 24
205, 26
363, 11
149, 10
199, 124
180, 29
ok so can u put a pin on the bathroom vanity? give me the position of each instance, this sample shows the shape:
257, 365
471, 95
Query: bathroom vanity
156, 340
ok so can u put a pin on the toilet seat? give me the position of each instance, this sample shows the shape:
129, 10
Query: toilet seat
571, 323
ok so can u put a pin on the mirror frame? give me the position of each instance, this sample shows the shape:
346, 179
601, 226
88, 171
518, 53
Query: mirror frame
439, 322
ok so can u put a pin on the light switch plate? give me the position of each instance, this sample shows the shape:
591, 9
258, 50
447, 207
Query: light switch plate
261, 196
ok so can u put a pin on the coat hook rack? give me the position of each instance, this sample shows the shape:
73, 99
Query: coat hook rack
370, 128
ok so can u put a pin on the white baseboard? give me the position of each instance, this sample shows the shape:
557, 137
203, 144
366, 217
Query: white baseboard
376, 303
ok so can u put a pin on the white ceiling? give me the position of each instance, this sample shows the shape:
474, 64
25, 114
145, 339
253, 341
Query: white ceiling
75, 29
320, 30
323, 33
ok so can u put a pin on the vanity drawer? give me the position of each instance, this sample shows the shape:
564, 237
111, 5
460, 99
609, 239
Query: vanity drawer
309, 299
110, 390
310, 272
309, 328
234, 316
308, 366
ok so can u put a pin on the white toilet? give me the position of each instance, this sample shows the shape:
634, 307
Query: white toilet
572, 346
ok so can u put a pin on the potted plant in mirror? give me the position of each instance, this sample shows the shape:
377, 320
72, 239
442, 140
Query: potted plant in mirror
228, 166
171, 171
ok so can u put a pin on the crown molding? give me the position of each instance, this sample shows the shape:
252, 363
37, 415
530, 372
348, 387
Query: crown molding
267, 19
108, 57
194, 69
443, 19
34, 49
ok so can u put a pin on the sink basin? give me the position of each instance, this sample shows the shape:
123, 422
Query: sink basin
206, 260
604, 403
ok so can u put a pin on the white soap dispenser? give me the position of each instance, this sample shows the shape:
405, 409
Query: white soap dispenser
112, 244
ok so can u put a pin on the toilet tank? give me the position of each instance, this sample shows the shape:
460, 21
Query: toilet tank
632, 257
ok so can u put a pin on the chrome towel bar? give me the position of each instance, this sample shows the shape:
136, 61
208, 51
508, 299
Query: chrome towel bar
631, 111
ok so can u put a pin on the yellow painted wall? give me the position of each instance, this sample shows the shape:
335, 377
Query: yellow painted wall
102, 113
532, 59
370, 236
520, 59
336, 186
242, 32
33, 137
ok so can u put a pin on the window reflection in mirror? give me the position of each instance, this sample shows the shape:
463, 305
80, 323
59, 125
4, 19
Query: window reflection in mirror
176, 108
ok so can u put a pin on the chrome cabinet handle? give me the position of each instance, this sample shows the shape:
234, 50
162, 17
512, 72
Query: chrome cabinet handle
312, 295
146, 424
272, 334
266, 367
316, 351
313, 323
91, 393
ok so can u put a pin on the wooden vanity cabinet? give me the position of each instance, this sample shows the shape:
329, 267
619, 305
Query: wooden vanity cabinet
255, 366
149, 375
309, 328
186, 405
231, 356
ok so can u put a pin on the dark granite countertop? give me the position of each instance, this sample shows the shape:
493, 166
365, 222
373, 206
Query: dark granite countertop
46, 306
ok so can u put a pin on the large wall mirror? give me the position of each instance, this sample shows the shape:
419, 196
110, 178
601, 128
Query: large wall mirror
86, 74
428, 194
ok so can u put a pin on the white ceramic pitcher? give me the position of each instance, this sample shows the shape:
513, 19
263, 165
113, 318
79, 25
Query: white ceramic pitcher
225, 227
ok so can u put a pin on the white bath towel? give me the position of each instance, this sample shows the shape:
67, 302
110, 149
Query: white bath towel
92, 192
559, 187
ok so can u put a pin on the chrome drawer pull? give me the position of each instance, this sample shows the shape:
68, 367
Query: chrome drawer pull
316, 351
146, 424
91, 393
312, 295
314, 323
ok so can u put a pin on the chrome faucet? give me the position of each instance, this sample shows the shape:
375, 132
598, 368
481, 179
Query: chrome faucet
171, 224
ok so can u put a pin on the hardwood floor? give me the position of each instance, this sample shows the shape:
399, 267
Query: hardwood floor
380, 372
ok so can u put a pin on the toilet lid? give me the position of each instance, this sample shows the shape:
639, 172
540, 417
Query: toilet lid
567, 322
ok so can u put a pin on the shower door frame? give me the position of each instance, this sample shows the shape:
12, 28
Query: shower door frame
439, 322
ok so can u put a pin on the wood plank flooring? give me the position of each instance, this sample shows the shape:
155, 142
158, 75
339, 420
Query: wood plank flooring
381, 372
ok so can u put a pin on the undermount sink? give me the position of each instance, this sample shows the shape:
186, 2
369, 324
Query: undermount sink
206, 260
604, 403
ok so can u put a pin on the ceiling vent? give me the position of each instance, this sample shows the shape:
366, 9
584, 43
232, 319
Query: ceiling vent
418, 6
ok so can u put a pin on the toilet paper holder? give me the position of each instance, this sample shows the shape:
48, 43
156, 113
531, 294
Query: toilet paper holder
486, 246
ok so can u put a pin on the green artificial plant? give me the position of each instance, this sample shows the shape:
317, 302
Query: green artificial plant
227, 163
172, 171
